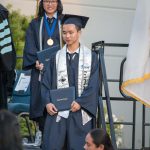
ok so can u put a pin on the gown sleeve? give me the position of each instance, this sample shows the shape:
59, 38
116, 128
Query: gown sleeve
31, 46
89, 97
46, 83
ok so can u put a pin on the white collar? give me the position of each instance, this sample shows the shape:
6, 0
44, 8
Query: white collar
76, 51
55, 15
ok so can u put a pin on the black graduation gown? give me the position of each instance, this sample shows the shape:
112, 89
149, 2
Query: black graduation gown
7, 59
70, 130
29, 58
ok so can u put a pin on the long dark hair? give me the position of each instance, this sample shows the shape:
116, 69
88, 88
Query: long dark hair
42, 11
99, 137
10, 138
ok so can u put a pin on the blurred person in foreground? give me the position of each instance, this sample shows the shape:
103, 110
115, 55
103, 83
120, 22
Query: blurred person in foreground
98, 139
10, 138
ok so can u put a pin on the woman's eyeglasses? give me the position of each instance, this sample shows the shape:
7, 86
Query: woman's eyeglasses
50, 2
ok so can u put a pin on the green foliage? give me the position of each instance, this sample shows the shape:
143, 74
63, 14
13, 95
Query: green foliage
23, 127
117, 127
18, 25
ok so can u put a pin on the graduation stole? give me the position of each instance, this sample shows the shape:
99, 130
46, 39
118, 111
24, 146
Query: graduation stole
84, 68
40, 37
40, 33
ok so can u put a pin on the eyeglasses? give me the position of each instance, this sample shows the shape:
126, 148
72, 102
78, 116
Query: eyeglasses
48, 2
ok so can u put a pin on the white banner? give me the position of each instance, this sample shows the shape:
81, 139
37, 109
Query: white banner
136, 82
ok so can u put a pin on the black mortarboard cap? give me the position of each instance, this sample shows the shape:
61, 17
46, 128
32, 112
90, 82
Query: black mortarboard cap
79, 21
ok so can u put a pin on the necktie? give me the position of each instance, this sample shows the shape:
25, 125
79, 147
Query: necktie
71, 56
71, 66
50, 21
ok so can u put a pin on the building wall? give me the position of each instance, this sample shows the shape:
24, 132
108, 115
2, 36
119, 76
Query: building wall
110, 20
26, 7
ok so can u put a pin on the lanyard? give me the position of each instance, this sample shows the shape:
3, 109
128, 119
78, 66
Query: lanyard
49, 30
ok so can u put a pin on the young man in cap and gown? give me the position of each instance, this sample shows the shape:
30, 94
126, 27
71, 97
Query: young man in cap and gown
73, 66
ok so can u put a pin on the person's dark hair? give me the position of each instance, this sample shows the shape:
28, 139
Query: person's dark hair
42, 11
99, 137
10, 138
78, 28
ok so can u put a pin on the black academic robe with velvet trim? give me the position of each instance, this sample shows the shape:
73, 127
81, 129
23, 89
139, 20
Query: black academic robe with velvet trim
7, 58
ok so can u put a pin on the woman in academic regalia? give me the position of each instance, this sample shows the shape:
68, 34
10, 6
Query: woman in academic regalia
10, 137
43, 32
